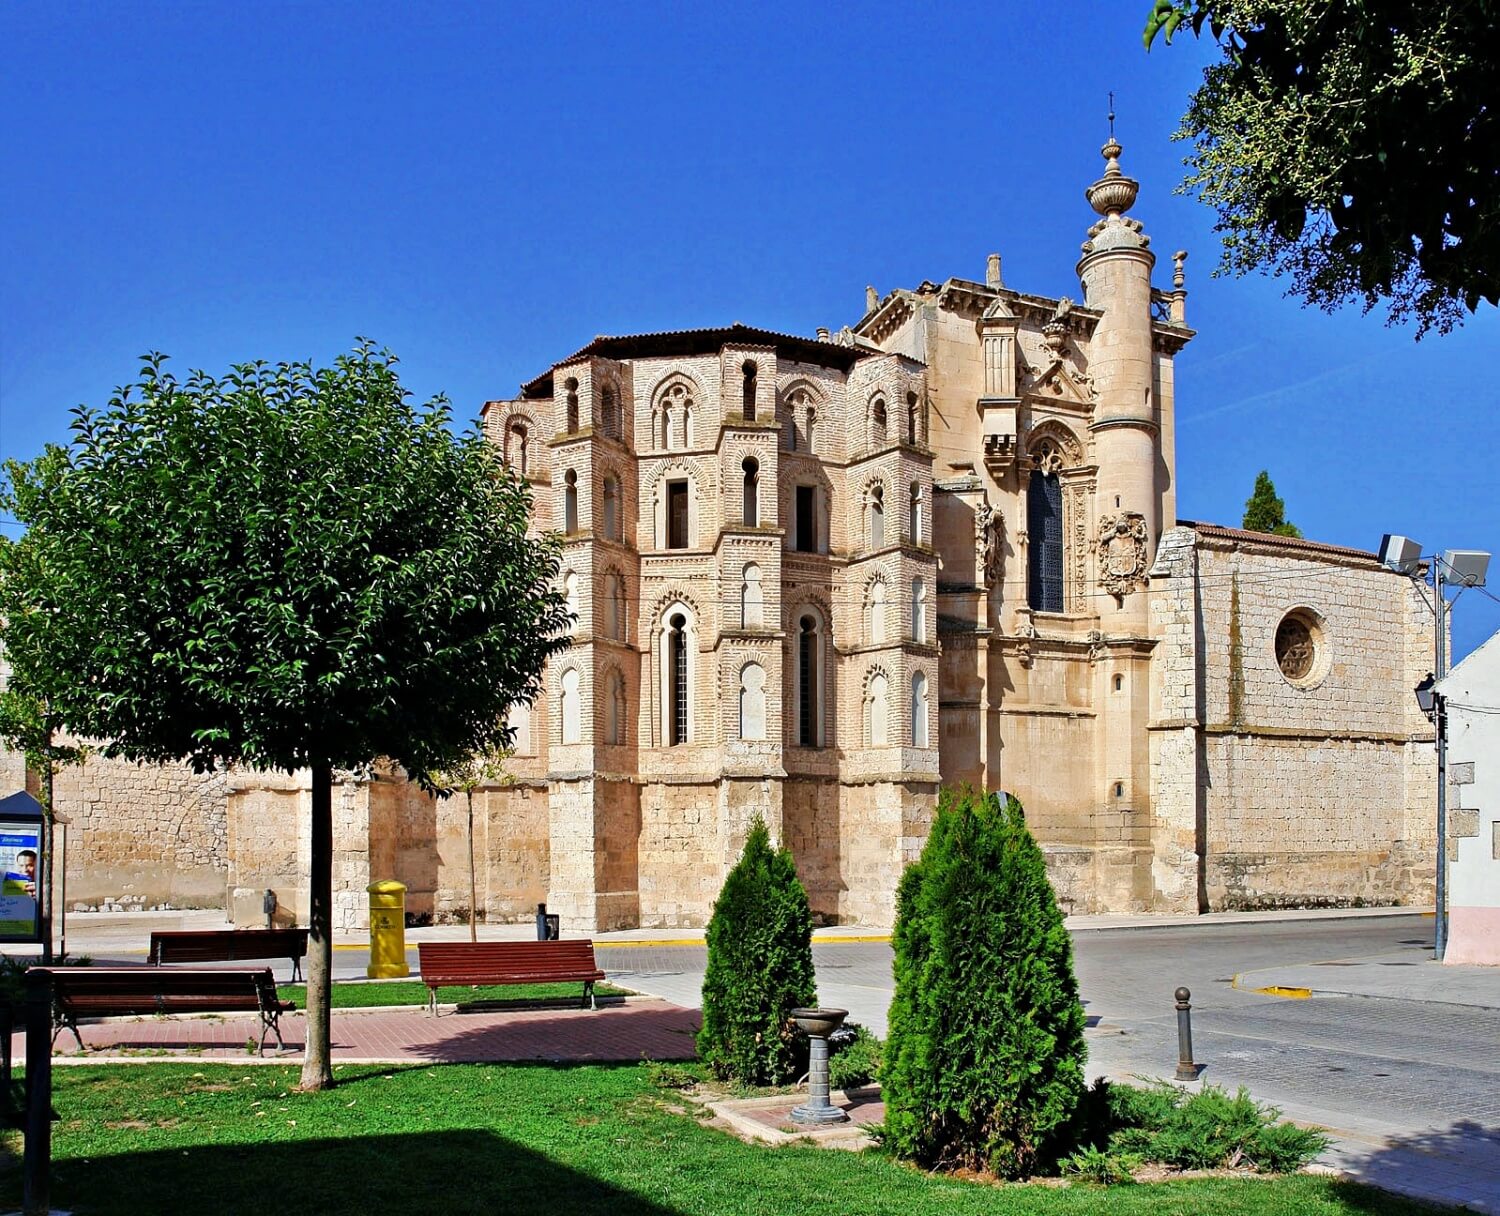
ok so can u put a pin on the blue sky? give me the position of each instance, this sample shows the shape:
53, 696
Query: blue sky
485, 187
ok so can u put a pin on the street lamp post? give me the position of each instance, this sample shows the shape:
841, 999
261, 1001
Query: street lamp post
1461, 568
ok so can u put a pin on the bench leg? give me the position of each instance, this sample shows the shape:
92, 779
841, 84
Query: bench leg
65, 1022
296, 970
588, 994
271, 1022
432, 1001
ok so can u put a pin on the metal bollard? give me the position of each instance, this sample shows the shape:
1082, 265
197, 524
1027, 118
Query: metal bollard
1186, 1069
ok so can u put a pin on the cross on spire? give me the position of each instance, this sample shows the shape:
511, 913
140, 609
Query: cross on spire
1111, 114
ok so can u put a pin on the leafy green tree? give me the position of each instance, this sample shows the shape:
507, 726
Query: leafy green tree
760, 966
1264, 510
984, 1062
1353, 146
284, 568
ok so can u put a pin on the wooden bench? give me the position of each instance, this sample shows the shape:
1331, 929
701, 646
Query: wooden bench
464, 964
97, 992
230, 946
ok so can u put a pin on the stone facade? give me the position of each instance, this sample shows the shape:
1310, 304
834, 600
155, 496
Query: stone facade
813, 579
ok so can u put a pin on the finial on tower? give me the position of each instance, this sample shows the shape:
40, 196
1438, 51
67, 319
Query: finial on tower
1111, 117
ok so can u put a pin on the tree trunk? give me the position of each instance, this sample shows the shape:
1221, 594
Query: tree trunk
473, 882
317, 1067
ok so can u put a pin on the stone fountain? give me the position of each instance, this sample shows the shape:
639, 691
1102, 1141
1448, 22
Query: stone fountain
817, 1025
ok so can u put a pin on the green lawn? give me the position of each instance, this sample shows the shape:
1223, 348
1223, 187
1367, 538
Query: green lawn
414, 992
533, 1140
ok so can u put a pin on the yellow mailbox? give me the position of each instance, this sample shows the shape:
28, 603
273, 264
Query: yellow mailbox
387, 930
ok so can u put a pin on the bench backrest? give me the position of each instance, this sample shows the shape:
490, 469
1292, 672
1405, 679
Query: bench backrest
540, 959
128, 990
227, 945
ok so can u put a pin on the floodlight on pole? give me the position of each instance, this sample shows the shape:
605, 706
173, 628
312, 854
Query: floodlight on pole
1461, 568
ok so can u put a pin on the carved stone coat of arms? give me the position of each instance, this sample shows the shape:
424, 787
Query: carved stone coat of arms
1122, 552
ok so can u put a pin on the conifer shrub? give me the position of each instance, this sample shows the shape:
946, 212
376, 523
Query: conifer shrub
759, 969
983, 1065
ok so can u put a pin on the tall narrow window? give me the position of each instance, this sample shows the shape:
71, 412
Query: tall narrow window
572, 387
661, 425
677, 515
609, 405
519, 720
614, 606
518, 445
747, 390
570, 502
570, 595
611, 508
877, 422
752, 702
678, 657
918, 610
875, 613
876, 712
1044, 555
811, 433
913, 431
571, 714
614, 708
877, 517
807, 519
751, 506
807, 682
750, 598
919, 710
914, 515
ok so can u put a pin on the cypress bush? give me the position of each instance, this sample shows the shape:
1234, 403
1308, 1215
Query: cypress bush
984, 1062
760, 967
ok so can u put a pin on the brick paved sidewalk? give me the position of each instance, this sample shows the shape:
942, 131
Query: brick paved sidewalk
635, 1028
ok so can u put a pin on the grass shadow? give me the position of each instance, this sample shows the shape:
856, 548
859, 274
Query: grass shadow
657, 1031
457, 1172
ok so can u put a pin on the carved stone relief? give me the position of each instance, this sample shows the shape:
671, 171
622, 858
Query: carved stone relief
1122, 552
989, 534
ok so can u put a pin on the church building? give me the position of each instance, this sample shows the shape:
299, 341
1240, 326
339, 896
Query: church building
814, 579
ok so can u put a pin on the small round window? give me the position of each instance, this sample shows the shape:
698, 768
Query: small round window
1300, 647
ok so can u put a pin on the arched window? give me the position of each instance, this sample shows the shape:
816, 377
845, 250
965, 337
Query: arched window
570, 595
678, 720
571, 708
752, 702
750, 598
877, 517
919, 710
1044, 554
875, 613
751, 506
747, 396
519, 720
572, 387
913, 419
877, 421
799, 414
877, 712
914, 515
918, 610
675, 416
609, 405
615, 708
517, 454
809, 681
614, 606
611, 508
807, 522
570, 502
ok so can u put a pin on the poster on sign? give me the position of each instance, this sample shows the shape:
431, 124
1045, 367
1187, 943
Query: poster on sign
20, 863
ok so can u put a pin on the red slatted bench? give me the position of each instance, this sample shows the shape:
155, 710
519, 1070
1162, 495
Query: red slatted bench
99, 992
230, 946
464, 964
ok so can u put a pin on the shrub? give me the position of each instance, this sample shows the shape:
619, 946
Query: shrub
1207, 1130
854, 1058
759, 967
1100, 1166
984, 1062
